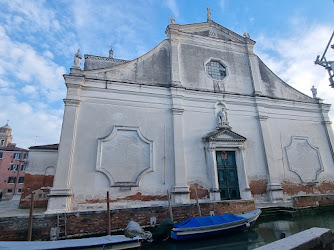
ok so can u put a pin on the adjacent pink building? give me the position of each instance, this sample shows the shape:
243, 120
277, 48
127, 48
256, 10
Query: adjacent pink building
13, 162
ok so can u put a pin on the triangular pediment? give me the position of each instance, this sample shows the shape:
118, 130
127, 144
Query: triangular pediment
213, 30
224, 135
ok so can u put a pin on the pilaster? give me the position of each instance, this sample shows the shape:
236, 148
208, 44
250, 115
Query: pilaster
213, 173
243, 179
172, 34
324, 109
274, 187
61, 193
180, 190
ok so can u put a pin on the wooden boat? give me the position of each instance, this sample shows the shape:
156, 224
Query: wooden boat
105, 242
210, 226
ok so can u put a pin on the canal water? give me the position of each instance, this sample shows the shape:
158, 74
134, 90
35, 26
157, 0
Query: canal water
266, 230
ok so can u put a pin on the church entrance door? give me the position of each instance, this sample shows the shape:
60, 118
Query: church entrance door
227, 175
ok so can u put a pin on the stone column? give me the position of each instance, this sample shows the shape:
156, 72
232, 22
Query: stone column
180, 190
274, 187
61, 192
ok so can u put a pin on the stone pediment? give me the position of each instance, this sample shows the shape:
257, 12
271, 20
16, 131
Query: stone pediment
224, 135
211, 29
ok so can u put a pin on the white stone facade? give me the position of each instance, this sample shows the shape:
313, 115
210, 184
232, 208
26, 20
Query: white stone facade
139, 128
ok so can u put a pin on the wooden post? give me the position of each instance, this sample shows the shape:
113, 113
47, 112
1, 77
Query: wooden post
170, 206
198, 207
108, 211
31, 216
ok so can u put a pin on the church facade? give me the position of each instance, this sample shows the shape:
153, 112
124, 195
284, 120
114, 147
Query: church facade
200, 114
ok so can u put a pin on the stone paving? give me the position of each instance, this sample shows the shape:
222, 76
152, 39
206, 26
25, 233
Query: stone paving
11, 208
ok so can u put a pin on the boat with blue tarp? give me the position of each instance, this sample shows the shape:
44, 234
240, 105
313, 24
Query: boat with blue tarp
211, 226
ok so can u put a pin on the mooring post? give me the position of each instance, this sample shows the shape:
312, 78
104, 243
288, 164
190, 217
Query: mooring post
108, 212
198, 207
170, 206
31, 216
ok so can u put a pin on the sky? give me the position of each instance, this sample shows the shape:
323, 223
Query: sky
38, 40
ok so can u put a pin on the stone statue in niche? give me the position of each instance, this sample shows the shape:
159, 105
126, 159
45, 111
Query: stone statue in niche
77, 59
222, 120
208, 14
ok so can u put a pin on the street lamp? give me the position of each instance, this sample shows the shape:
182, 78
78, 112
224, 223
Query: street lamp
328, 65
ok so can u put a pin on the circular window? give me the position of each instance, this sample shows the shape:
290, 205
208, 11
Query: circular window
216, 70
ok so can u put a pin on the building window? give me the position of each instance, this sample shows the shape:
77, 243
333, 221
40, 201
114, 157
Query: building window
25, 156
216, 70
2, 142
14, 167
19, 190
17, 156
11, 179
9, 190
23, 167
21, 179
1, 155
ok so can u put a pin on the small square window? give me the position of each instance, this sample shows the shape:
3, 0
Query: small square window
11, 179
17, 156
23, 167
14, 167
19, 190
25, 156
21, 179
1, 154
9, 190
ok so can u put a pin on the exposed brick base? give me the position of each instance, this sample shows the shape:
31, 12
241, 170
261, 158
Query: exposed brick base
312, 200
95, 222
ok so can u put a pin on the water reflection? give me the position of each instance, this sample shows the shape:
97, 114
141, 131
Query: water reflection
266, 230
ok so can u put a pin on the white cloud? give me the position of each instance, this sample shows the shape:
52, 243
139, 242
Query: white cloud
293, 58
171, 4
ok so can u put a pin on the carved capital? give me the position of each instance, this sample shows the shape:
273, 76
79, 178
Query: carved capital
72, 102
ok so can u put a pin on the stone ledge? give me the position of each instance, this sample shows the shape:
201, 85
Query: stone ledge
313, 238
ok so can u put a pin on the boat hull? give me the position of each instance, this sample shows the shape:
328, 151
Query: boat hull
217, 230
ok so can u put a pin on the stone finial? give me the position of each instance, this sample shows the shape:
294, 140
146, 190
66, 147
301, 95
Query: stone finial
314, 92
77, 59
171, 20
246, 34
208, 14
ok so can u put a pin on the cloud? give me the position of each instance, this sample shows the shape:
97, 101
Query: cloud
28, 121
171, 4
31, 87
292, 58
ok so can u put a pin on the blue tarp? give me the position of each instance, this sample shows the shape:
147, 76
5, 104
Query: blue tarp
208, 221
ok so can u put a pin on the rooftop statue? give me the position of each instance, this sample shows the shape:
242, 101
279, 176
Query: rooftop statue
314, 92
77, 59
208, 14
171, 20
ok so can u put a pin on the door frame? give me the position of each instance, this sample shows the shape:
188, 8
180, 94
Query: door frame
211, 152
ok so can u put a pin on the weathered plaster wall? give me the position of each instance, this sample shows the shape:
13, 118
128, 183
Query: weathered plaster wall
151, 68
39, 177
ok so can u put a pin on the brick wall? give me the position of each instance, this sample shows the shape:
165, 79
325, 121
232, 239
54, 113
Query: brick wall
95, 222
312, 200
